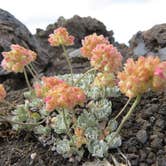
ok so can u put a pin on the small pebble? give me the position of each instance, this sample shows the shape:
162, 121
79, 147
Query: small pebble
33, 156
142, 136
157, 143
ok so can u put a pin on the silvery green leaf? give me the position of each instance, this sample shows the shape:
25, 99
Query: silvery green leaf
112, 125
86, 119
80, 154
112, 91
16, 126
113, 143
60, 126
98, 148
102, 108
92, 133
21, 112
36, 102
44, 112
94, 93
29, 95
42, 130
63, 147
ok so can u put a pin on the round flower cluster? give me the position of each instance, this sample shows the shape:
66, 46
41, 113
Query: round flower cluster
16, 59
140, 76
47, 83
61, 37
106, 58
159, 79
58, 94
64, 96
105, 80
2, 93
90, 42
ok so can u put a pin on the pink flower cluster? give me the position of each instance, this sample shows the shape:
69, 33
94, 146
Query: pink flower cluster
142, 75
61, 37
64, 96
16, 59
103, 56
58, 94
2, 92
47, 83
90, 42
106, 58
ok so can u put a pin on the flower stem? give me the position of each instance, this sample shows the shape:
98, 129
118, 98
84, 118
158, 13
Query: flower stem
127, 116
33, 74
68, 61
67, 127
122, 110
27, 81
34, 70
88, 71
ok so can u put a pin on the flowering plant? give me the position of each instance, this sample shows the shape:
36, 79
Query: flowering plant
76, 106
61, 37
16, 59
90, 42
106, 58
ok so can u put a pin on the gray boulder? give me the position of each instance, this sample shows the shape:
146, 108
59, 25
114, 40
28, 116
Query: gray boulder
150, 42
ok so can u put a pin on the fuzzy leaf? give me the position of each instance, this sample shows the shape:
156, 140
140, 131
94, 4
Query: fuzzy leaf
59, 125
63, 147
102, 109
115, 143
98, 148
86, 119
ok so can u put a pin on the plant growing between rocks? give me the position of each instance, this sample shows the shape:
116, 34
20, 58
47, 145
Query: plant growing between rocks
74, 109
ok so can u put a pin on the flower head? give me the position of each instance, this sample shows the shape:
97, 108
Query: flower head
105, 80
106, 58
2, 92
60, 37
64, 96
16, 59
159, 79
48, 83
90, 42
137, 76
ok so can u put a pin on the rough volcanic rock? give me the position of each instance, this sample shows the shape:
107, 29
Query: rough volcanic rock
12, 31
125, 51
77, 26
150, 42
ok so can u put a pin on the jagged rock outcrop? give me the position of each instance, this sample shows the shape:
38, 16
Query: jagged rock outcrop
150, 42
12, 31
